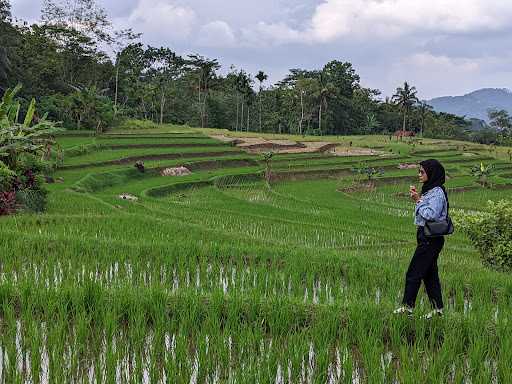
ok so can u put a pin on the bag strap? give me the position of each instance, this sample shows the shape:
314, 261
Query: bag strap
447, 201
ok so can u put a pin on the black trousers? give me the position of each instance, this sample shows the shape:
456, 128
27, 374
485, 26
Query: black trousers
423, 266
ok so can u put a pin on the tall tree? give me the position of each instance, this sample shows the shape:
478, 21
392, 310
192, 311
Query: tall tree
405, 97
326, 91
5, 16
132, 64
423, 110
121, 39
261, 76
206, 72
243, 84
500, 120
85, 16
345, 81
5, 10
165, 68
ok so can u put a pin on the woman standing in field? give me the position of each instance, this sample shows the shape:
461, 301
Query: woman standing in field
431, 205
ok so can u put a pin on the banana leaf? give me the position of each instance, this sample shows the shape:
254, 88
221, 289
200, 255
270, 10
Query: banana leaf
30, 113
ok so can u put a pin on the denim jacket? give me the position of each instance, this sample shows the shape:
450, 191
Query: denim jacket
431, 207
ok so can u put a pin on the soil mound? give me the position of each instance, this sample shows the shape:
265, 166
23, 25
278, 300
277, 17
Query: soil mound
177, 171
407, 166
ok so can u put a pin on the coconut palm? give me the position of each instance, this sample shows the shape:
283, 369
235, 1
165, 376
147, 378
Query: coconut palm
261, 76
243, 87
423, 110
326, 91
405, 97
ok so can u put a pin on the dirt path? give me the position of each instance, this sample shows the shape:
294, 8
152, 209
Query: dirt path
259, 145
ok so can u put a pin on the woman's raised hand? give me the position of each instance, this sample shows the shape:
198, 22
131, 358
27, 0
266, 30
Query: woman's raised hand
413, 193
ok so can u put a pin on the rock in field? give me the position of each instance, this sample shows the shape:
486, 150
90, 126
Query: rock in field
178, 171
127, 196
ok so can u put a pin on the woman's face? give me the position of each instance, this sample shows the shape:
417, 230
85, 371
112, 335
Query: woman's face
422, 175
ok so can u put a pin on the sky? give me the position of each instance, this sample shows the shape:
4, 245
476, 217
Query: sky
443, 47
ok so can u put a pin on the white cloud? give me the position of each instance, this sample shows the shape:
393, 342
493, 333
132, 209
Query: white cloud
216, 34
442, 75
389, 18
425, 60
162, 20
262, 34
361, 20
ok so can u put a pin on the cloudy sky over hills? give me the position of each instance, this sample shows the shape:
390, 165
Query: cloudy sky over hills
443, 47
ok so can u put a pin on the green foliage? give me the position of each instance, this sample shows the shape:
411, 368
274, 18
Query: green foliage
372, 123
17, 139
63, 64
267, 158
86, 108
485, 136
81, 149
25, 149
500, 120
491, 233
370, 172
482, 172
33, 200
405, 97
6, 177
136, 124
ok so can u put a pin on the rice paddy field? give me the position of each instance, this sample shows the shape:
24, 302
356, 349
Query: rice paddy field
214, 277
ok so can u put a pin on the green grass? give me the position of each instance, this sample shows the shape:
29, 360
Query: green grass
114, 154
250, 282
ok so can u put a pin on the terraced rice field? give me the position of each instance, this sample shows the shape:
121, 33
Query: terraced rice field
215, 278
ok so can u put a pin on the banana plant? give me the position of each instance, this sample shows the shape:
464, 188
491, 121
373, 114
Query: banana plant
267, 158
18, 138
482, 173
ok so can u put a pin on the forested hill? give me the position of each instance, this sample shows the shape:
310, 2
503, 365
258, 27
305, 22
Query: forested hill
474, 104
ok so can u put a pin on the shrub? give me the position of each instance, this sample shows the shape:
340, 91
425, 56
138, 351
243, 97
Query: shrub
491, 233
86, 108
267, 158
482, 173
368, 171
33, 200
135, 124
6, 177
7, 202
23, 147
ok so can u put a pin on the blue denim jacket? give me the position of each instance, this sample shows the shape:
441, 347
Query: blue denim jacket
431, 207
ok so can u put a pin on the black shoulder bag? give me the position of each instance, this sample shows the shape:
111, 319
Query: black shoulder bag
440, 228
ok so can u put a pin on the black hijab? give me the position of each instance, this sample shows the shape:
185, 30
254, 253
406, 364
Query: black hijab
436, 176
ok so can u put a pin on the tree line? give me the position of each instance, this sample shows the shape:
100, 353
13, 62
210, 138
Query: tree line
88, 75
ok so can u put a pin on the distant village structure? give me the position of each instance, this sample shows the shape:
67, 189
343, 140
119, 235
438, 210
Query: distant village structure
400, 134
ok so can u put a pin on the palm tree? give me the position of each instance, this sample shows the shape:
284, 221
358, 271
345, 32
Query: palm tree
243, 83
325, 92
423, 109
405, 97
261, 76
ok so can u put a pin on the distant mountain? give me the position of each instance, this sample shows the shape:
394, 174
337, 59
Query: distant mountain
474, 104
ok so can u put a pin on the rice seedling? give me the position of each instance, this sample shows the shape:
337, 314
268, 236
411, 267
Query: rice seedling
213, 277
